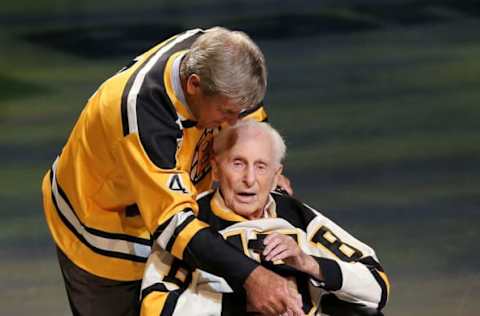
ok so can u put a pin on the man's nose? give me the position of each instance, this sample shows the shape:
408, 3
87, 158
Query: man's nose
249, 176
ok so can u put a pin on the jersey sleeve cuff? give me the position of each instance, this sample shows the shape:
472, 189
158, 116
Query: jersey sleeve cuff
332, 275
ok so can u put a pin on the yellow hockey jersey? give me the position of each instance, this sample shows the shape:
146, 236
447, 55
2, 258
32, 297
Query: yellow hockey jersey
130, 171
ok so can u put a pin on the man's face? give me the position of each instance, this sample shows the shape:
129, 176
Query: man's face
210, 110
215, 110
247, 173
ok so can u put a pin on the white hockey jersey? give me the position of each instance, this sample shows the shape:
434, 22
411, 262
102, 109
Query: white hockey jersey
351, 268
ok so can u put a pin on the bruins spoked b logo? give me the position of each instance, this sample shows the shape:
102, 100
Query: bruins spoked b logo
201, 157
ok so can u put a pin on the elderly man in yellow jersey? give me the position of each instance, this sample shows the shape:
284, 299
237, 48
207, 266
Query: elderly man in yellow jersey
334, 272
128, 176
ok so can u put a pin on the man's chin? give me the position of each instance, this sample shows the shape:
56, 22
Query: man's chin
246, 206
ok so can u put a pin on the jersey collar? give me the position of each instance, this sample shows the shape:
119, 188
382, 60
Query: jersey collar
173, 86
221, 210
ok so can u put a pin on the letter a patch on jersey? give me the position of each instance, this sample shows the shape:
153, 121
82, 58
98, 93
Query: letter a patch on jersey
175, 184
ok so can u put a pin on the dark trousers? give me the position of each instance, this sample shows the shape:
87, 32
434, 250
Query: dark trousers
90, 295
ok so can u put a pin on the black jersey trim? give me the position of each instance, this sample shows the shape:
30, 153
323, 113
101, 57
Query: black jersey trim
172, 296
177, 231
148, 108
207, 250
156, 287
128, 87
134, 244
160, 229
292, 210
371, 263
251, 110
171, 302
333, 278
188, 123
101, 233
383, 286
90, 246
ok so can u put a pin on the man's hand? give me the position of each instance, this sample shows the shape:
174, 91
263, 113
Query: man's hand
282, 247
269, 294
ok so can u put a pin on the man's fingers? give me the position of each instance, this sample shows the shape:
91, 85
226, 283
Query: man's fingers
279, 247
300, 301
278, 253
294, 306
270, 237
270, 243
269, 293
295, 302
288, 313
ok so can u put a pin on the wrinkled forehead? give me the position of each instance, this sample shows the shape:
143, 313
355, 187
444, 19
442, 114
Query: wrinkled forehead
251, 143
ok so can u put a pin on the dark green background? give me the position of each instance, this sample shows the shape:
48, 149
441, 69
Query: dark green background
378, 102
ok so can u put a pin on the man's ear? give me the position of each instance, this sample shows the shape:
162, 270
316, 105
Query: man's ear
277, 176
193, 84
214, 164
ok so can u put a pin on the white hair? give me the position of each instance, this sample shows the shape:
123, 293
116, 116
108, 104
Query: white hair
228, 137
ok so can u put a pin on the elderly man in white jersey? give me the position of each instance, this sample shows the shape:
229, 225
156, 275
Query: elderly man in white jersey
323, 262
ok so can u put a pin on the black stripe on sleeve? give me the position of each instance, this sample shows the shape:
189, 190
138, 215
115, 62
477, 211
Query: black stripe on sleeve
90, 246
159, 230
95, 231
303, 290
156, 287
171, 278
374, 267
173, 296
177, 231
332, 274
383, 286
208, 251
171, 301
124, 110
371, 263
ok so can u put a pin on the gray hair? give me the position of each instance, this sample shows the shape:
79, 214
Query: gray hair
228, 63
228, 137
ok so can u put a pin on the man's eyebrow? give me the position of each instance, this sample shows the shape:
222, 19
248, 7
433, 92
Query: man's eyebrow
239, 158
261, 161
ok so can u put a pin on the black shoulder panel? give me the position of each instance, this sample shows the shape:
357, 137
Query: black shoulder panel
293, 211
156, 115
